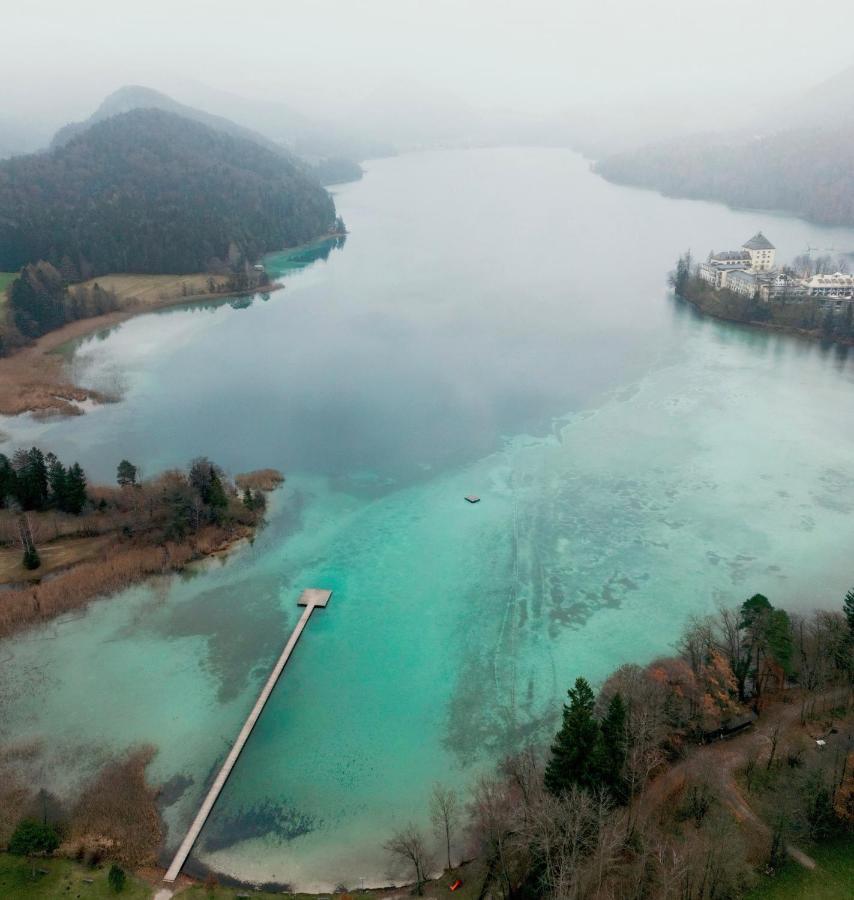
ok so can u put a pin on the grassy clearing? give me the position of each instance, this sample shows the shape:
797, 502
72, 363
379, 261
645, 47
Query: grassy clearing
54, 557
149, 290
833, 878
64, 878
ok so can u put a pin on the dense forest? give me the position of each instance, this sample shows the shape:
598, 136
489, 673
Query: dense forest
40, 300
808, 172
151, 192
337, 170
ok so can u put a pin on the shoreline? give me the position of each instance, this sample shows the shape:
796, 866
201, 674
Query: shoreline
32, 380
114, 569
116, 559
811, 334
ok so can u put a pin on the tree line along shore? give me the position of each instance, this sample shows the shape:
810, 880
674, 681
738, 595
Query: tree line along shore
806, 316
723, 771
64, 542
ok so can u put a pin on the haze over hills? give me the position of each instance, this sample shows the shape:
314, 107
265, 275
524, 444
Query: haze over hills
797, 157
328, 170
149, 191
132, 97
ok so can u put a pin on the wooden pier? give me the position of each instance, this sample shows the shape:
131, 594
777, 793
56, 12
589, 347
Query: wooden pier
310, 598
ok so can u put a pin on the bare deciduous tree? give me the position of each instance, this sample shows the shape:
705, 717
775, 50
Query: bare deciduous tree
445, 815
408, 844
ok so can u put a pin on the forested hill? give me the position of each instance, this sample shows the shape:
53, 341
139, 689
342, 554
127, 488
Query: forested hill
807, 171
149, 191
131, 97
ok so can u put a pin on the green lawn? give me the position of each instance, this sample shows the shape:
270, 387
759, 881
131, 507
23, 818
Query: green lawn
64, 879
833, 879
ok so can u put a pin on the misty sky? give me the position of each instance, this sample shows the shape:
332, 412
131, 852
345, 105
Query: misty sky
61, 58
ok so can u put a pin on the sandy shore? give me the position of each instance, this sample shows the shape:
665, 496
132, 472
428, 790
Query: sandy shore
34, 379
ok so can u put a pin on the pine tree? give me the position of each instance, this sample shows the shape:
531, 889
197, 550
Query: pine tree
573, 754
75, 490
116, 878
57, 479
31, 478
848, 609
613, 748
216, 497
8, 481
126, 473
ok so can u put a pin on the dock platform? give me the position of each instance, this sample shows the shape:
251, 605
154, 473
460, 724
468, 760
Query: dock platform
310, 598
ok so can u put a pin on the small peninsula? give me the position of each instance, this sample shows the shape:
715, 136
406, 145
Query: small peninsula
64, 542
812, 296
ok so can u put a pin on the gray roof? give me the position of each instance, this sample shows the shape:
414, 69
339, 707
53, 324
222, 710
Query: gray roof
731, 254
758, 242
741, 275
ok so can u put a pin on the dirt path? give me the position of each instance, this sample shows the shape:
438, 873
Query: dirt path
723, 759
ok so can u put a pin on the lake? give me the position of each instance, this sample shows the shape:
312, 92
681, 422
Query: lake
498, 323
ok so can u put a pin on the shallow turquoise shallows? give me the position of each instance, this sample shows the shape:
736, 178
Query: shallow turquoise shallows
497, 323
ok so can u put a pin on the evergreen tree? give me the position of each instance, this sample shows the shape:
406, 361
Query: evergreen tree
57, 479
8, 481
31, 481
75, 491
31, 838
126, 473
679, 278
573, 753
116, 878
216, 492
216, 496
848, 609
779, 634
613, 748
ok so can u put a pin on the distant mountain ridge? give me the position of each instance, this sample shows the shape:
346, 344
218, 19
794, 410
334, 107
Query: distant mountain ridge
150, 191
799, 160
327, 170
131, 97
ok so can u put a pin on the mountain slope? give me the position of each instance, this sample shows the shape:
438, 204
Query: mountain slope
131, 97
148, 191
806, 172
796, 156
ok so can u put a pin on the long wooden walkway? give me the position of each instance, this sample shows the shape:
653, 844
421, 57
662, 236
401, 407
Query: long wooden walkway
310, 599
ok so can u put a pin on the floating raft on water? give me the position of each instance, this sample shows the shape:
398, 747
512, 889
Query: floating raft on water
472, 499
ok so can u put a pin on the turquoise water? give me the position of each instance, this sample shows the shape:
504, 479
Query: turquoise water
496, 323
